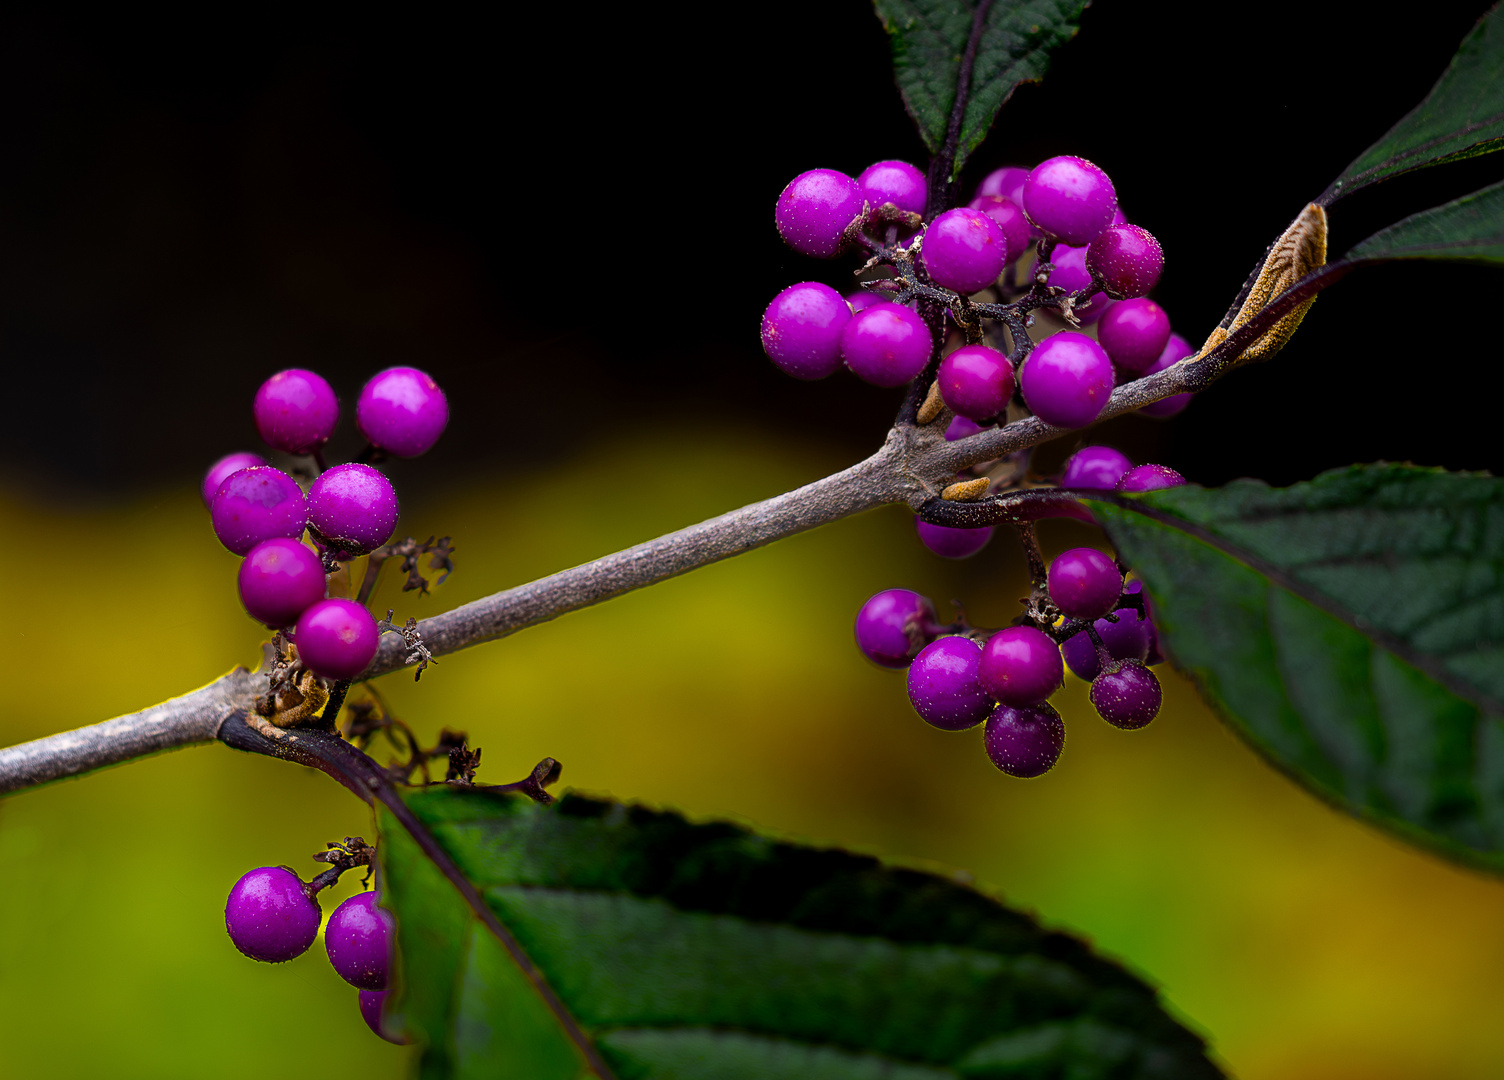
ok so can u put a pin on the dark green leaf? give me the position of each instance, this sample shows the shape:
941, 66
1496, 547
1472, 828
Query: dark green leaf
929, 38
1351, 628
1463, 116
1469, 229
692, 951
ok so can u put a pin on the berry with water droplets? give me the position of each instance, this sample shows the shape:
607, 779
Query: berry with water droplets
1024, 742
353, 509
1069, 199
943, 684
1021, 665
296, 411
359, 942
801, 330
1134, 333
402, 411
256, 504
951, 543
1067, 380
1084, 583
1150, 478
337, 638
270, 917
1097, 467
1070, 274
976, 382
886, 345
1126, 639
220, 471
1126, 259
964, 250
894, 625
1126, 695
814, 211
1009, 217
279, 580
895, 182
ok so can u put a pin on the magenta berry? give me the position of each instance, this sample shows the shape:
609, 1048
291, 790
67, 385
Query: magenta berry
861, 301
359, 941
801, 330
1067, 380
269, 917
964, 250
976, 382
1021, 666
279, 580
1127, 639
961, 428
1007, 182
1071, 274
1009, 217
402, 411
814, 211
353, 509
1098, 467
337, 638
1084, 583
296, 411
1126, 259
1024, 742
221, 470
886, 345
1149, 478
895, 182
1069, 199
953, 543
256, 504
943, 684
1126, 695
371, 1003
894, 625
1134, 333
1177, 349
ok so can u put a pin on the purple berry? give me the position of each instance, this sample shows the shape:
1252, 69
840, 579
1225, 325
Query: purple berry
1149, 478
353, 509
1021, 666
371, 1002
1010, 219
1071, 274
221, 469
1126, 639
964, 250
296, 411
1126, 695
861, 301
402, 411
270, 917
1070, 199
961, 428
1084, 583
895, 182
886, 345
359, 941
336, 638
1024, 742
1177, 349
1097, 467
1134, 333
279, 580
1007, 182
1126, 259
976, 382
953, 543
894, 625
801, 330
943, 685
1067, 380
814, 211
256, 504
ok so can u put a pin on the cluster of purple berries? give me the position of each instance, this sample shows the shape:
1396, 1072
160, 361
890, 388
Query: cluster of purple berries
1087, 253
349, 510
273, 916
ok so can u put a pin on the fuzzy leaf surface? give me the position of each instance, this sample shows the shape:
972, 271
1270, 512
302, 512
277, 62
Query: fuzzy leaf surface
929, 37
1469, 229
1351, 628
707, 951
1462, 116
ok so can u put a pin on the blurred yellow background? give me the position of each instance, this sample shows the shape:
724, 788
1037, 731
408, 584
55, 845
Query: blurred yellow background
1301, 943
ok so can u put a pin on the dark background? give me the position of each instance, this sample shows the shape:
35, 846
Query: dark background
567, 219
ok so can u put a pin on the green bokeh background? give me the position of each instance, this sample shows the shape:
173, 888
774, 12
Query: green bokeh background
1302, 943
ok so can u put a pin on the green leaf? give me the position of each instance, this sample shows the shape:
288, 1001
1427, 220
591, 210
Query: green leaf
1462, 116
1351, 628
929, 39
688, 951
1469, 229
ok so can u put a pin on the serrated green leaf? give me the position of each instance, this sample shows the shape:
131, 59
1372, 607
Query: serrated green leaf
706, 951
1469, 229
929, 39
1351, 628
1462, 116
